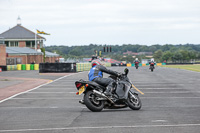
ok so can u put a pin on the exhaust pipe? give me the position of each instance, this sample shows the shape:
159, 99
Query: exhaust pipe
99, 93
102, 95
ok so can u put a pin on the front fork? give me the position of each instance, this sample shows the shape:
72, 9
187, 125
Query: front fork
132, 94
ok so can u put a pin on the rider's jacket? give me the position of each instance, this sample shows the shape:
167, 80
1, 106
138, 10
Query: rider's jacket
136, 61
97, 71
152, 62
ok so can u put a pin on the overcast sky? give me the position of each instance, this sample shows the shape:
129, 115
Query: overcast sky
81, 22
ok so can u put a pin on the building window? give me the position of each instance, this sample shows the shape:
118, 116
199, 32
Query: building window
28, 44
13, 44
7, 43
33, 43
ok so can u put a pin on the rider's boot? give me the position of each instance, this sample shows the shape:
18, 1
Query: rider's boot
82, 102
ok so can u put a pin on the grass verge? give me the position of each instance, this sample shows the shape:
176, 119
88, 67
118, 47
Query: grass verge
195, 68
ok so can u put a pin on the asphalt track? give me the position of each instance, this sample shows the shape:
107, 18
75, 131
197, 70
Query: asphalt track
171, 104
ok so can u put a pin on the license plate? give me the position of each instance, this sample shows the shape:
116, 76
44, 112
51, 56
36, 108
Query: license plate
81, 90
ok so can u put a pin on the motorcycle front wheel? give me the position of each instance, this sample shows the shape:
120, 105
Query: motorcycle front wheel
92, 102
134, 102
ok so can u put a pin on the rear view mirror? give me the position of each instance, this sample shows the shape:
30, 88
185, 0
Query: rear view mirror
126, 71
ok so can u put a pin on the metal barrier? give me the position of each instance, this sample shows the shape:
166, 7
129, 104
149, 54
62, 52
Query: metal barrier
57, 67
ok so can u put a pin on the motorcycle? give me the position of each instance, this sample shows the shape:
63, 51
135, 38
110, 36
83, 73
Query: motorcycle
123, 96
151, 67
136, 65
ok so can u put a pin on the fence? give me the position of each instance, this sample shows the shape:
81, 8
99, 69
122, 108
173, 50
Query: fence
57, 67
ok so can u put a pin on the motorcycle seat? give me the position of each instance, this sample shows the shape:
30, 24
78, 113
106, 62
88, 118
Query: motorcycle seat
95, 84
91, 83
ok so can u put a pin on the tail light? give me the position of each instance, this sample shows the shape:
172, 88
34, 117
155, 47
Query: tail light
78, 85
152, 63
86, 85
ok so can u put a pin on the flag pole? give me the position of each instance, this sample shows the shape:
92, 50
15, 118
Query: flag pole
35, 40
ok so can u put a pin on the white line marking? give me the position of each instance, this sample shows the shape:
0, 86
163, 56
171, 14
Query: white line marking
62, 92
64, 98
159, 121
174, 92
161, 88
46, 98
53, 107
52, 92
66, 86
83, 106
36, 87
61, 88
164, 85
171, 97
100, 127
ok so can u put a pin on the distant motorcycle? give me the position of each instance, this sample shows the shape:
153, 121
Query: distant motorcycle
123, 96
152, 66
136, 65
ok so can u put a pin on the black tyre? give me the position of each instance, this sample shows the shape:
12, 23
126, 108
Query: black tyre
151, 67
92, 103
134, 102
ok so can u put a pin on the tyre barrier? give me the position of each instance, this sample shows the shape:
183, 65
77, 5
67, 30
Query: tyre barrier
133, 65
36, 66
128, 65
32, 67
79, 66
147, 64
28, 66
87, 66
11, 67
22, 67
117, 64
19, 67
3, 68
57, 67
83, 67
107, 64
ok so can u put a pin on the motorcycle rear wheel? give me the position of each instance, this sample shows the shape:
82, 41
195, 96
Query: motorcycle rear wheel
92, 103
134, 103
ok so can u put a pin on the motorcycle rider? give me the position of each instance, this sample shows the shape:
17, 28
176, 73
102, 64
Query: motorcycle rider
136, 60
96, 74
152, 61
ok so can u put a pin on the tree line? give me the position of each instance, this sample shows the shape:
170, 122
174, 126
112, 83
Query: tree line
168, 52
